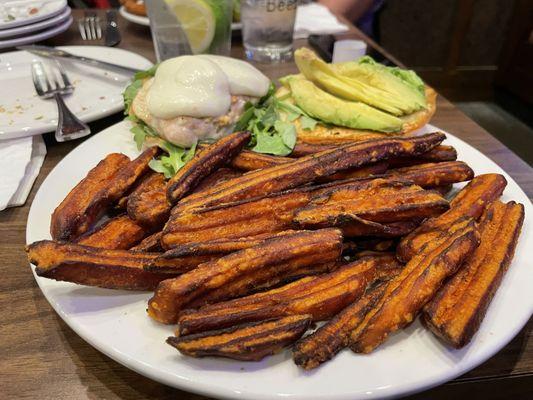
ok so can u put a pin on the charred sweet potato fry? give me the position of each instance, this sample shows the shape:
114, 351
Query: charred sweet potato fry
438, 154
150, 244
310, 168
212, 249
469, 202
378, 200
378, 168
94, 203
119, 233
418, 282
323, 344
68, 219
267, 215
248, 160
151, 180
220, 246
434, 174
458, 308
204, 163
276, 254
360, 227
302, 149
322, 297
247, 342
218, 176
113, 269
150, 209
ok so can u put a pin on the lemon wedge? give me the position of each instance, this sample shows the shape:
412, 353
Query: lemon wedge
197, 20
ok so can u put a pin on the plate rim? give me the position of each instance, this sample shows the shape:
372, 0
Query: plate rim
37, 18
37, 37
219, 391
46, 23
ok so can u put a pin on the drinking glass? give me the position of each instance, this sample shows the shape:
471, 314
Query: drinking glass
267, 29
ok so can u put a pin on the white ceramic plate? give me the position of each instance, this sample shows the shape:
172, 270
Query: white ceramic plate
97, 93
139, 19
115, 322
36, 37
26, 29
23, 12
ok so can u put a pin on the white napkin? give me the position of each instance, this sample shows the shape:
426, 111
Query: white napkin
314, 18
20, 163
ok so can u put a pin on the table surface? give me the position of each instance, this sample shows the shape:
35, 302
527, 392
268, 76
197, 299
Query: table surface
43, 358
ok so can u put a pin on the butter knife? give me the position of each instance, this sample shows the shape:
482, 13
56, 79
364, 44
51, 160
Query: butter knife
112, 34
51, 52
170, 40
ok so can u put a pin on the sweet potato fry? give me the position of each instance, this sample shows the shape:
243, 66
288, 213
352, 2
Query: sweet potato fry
323, 344
458, 308
150, 181
249, 342
310, 168
322, 297
211, 249
220, 246
84, 265
438, 154
204, 163
276, 254
469, 202
118, 233
94, 203
361, 227
150, 244
68, 219
418, 282
375, 169
377, 200
150, 209
246, 218
248, 160
434, 174
218, 176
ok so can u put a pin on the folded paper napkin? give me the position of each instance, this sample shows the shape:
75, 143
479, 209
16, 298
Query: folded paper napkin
316, 19
20, 163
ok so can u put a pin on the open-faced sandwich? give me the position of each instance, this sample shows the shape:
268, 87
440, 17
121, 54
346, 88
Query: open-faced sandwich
189, 99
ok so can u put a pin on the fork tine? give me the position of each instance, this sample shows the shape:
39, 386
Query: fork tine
98, 28
93, 28
49, 86
36, 74
64, 77
81, 28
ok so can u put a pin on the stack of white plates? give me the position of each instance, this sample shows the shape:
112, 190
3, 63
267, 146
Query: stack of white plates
29, 21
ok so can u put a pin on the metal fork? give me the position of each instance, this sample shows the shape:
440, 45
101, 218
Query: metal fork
69, 127
89, 26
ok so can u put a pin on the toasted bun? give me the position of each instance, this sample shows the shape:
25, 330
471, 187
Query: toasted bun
322, 134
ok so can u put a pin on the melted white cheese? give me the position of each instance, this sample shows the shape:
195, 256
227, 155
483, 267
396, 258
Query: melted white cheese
244, 79
189, 86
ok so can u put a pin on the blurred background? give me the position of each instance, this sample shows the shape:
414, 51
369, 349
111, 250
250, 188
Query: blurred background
477, 53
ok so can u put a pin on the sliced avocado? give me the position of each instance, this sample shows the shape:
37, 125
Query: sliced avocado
367, 88
333, 110
402, 84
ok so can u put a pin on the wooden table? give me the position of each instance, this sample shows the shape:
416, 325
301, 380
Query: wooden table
41, 357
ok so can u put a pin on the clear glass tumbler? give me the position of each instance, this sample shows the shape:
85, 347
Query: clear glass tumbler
267, 29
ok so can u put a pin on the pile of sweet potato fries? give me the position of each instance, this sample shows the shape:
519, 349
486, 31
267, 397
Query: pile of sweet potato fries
245, 251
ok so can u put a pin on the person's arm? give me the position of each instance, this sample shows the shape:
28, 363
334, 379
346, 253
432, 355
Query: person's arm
350, 9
